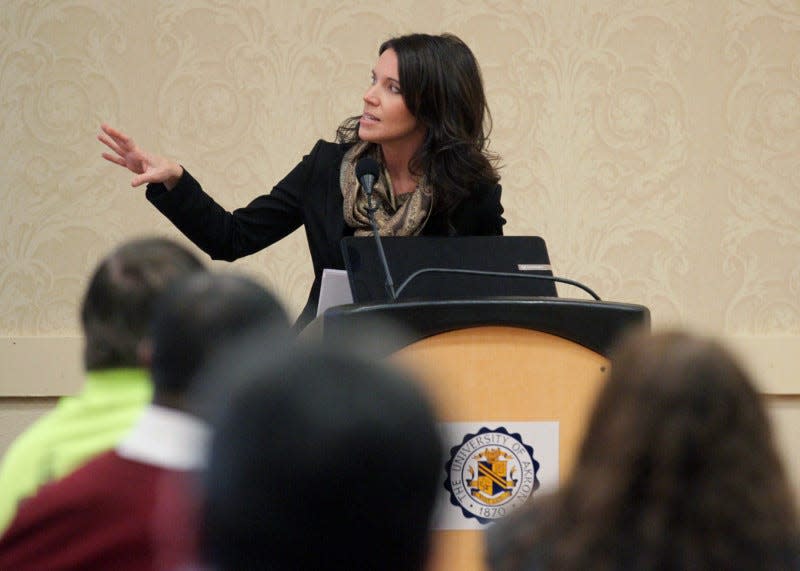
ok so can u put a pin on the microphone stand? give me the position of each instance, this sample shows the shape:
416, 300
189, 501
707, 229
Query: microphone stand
389, 284
556, 279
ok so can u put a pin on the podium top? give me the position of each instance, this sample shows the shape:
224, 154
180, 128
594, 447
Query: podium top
593, 324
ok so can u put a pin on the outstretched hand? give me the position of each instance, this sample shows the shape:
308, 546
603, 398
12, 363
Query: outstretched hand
147, 168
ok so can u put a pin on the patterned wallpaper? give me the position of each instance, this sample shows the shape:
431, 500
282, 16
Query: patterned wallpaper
654, 144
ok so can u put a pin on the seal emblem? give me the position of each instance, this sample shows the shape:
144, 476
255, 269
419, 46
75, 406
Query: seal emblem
490, 474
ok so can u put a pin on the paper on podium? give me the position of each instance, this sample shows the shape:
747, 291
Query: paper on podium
334, 290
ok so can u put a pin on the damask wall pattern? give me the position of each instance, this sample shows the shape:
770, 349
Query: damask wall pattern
654, 144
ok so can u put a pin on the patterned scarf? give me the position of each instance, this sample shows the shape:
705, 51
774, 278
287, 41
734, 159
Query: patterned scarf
403, 215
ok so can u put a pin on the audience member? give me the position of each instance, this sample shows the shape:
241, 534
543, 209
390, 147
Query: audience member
677, 471
115, 315
320, 460
102, 516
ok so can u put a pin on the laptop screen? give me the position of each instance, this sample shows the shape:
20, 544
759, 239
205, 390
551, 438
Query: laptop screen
525, 255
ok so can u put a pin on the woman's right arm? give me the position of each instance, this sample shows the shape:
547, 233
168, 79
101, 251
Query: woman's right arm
221, 234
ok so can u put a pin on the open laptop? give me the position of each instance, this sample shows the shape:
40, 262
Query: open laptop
406, 255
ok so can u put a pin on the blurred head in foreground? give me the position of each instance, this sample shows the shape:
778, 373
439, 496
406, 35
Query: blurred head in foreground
678, 470
198, 316
118, 303
320, 460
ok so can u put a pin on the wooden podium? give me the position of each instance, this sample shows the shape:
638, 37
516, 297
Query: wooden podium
498, 360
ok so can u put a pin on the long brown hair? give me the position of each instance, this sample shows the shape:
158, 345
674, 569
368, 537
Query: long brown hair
442, 88
678, 470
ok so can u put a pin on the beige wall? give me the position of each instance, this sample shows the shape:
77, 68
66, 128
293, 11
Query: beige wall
654, 144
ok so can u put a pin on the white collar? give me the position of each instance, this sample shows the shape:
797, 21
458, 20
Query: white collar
167, 438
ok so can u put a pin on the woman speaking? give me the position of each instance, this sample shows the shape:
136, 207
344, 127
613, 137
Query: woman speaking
425, 121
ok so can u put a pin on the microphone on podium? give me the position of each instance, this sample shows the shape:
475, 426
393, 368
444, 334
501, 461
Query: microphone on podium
367, 172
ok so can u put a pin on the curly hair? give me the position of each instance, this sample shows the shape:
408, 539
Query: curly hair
678, 470
443, 89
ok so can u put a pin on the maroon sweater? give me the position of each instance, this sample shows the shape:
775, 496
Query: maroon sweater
99, 517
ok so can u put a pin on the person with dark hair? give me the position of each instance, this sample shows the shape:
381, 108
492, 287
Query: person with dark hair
425, 120
115, 316
320, 460
104, 514
678, 470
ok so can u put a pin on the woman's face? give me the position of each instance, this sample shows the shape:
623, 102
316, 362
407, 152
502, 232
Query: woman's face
386, 119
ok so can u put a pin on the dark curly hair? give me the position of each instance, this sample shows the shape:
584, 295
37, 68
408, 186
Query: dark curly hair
678, 471
443, 89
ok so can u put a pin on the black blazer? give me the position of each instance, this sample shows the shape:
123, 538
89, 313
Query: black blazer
309, 195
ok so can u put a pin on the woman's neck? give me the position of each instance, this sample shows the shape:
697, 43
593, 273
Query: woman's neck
396, 161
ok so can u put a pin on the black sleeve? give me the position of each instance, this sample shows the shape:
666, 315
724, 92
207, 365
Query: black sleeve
480, 214
230, 235
491, 222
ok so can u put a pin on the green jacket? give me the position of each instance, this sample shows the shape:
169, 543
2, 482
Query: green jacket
77, 429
